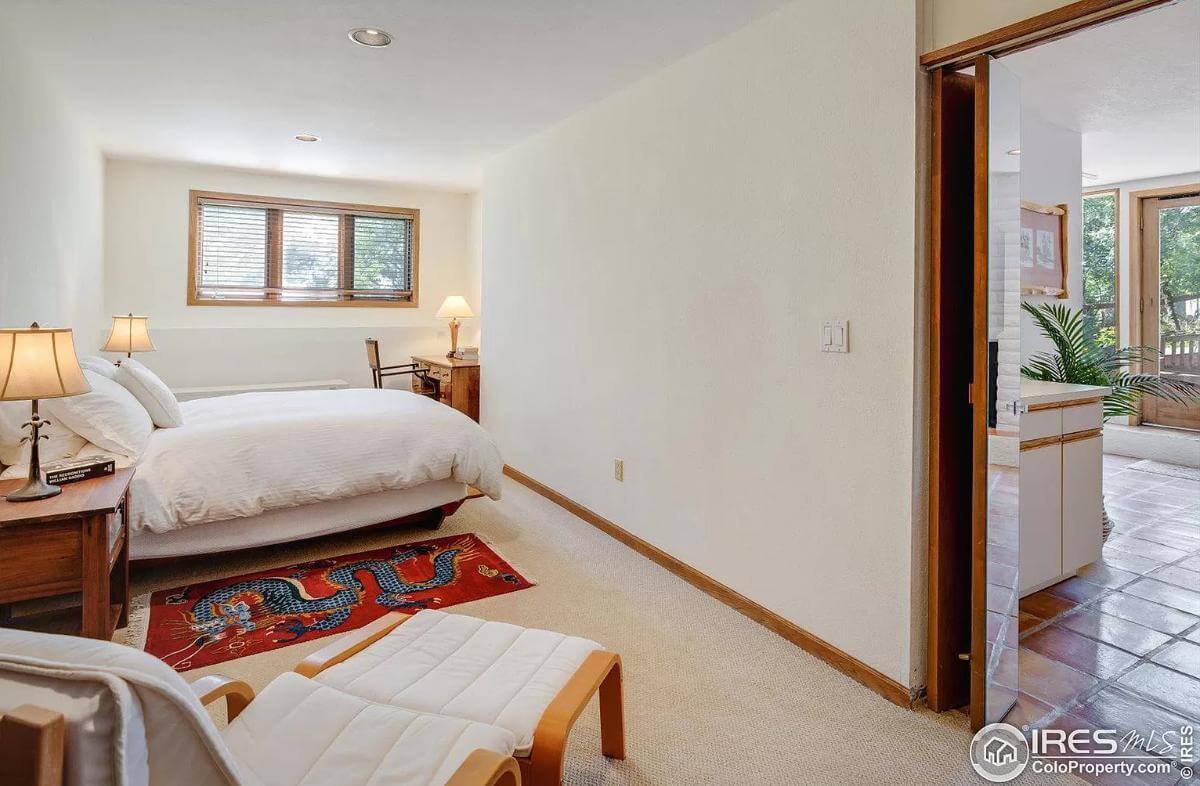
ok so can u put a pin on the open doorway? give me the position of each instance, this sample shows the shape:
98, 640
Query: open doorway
1107, 606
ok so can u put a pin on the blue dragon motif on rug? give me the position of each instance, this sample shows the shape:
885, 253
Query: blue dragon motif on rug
282, 602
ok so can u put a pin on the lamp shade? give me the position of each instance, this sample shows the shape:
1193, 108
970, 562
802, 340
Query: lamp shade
455, 306
129, 334
39, 363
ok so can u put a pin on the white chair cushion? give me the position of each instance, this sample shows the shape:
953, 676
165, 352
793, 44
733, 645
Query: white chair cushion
108, 416
298, 731
131, 719
450, 664
151, 392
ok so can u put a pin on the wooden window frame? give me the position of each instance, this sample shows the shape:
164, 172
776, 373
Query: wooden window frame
274, 271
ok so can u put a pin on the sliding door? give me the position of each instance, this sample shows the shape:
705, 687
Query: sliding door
975, 343
952, 183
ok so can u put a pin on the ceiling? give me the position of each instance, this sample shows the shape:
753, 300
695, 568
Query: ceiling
1131, 87
232, 82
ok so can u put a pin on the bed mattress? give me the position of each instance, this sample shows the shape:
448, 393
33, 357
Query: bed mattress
283, 526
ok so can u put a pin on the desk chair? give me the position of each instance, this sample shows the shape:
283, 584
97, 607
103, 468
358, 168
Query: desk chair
430, 386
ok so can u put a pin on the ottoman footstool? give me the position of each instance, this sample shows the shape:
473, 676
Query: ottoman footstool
533, 683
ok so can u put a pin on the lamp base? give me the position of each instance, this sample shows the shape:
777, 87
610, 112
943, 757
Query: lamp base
453, 337
34, 490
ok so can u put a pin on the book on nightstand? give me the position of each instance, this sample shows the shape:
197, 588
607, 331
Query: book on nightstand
73, 470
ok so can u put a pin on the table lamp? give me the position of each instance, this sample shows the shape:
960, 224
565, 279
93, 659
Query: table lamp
37, 363
129, 334
454, 307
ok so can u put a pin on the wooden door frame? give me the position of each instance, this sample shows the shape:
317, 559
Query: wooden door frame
1035, 30
1137, 238
944, 690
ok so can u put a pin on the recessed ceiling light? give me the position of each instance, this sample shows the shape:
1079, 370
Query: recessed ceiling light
370, 36
307, 138
1016, 151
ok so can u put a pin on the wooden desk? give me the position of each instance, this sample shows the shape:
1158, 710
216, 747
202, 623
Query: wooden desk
459, 379
75, 542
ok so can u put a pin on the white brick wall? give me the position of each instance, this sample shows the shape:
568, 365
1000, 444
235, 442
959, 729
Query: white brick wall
1004, 288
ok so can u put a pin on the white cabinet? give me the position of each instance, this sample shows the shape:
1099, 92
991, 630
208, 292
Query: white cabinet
1041, 515
1082, 494
1061, 493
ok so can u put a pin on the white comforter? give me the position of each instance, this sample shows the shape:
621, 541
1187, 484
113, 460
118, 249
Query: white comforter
239, 456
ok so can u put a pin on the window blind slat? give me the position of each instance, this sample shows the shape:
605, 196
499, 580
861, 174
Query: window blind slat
382, 255
233, 246
237, 248
310, 251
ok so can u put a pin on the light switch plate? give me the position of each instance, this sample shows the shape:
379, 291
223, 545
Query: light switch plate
835, 335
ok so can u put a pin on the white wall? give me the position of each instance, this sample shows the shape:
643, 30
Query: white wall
1051, 174
51, 205
656, 269
146, 272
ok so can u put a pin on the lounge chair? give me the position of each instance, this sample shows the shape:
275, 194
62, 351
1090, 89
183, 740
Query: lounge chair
82, 712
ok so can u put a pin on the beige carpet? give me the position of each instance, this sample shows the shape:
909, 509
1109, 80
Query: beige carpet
711, 697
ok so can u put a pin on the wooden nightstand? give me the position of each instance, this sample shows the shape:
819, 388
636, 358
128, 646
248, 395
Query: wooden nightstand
75, 542
459, 378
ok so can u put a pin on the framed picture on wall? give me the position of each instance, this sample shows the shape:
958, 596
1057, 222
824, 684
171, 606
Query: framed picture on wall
1044, 250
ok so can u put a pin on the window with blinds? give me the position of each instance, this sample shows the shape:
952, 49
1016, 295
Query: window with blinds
266, 251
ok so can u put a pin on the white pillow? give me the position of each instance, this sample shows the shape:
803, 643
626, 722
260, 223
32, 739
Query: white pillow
62, 442
108, 416
99, 365
151, 391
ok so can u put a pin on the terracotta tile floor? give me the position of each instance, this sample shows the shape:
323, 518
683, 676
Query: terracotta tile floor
1119, 645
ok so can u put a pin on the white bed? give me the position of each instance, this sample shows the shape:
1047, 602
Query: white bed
260, 468
289, 524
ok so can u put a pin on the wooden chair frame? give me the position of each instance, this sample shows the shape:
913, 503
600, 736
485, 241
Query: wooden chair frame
600, 673
32, 738
431, 385
32, 746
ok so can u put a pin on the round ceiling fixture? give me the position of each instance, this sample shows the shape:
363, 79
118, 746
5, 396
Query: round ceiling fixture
307, 138
370, 36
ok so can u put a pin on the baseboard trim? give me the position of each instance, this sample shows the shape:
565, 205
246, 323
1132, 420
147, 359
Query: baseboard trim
882, 684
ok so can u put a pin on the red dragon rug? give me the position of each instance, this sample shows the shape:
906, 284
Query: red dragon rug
202, 624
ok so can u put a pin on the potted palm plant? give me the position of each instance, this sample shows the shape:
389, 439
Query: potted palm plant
1076, 361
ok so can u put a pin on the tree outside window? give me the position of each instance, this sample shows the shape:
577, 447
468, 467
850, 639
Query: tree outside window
1100, 269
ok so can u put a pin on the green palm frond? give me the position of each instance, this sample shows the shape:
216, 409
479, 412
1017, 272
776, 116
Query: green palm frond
1074, 361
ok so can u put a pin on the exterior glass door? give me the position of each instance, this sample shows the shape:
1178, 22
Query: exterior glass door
1170, 307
